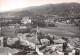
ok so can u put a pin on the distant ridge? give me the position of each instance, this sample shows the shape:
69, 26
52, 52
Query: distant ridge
61, 9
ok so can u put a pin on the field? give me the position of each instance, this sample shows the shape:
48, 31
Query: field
62, 29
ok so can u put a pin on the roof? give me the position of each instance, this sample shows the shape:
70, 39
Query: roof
9, 31
59, 41
44, 40
6, 50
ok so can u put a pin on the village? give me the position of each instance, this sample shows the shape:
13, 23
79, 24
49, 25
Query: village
27, 36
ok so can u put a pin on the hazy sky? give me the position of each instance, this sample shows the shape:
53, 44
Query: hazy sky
6, 5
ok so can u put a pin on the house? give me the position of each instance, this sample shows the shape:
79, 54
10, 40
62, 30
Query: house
45, 41
26, 20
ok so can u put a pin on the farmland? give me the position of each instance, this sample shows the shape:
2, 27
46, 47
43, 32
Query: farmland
62, 30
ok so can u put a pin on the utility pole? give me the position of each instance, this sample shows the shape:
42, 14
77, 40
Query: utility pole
36, 31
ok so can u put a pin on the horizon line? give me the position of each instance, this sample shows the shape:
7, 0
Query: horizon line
37, 5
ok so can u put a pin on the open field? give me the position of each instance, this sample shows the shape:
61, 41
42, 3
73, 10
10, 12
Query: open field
62, 30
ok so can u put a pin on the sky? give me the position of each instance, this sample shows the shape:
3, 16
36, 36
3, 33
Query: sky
7, 5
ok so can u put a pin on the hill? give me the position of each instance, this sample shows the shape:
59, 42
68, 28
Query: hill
62, 9
17, 14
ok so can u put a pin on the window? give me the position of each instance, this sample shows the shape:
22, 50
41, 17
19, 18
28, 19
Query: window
43, 42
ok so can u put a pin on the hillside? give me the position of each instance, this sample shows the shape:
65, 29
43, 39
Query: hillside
62, 9
58, 9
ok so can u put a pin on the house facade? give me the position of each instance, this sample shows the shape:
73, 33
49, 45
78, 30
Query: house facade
26, 20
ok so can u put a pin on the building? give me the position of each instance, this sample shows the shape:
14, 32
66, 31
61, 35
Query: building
26, 20
45, 41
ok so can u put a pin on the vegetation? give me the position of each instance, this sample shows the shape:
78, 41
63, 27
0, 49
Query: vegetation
51, 24
39, 23
66, 10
